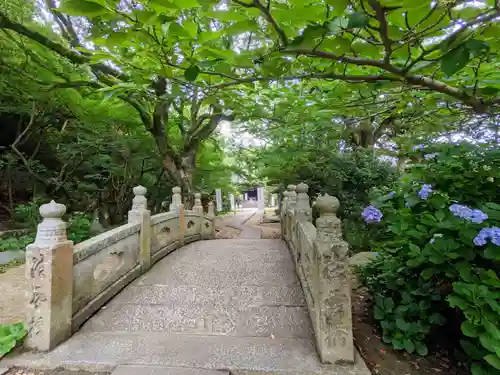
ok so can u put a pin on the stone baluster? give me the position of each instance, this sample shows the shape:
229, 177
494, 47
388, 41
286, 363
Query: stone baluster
211, 210
139, 204
49, 274
175, 206
303, 210
140, 214
292, 196
283, 214
332, 318
198, 207
290, 215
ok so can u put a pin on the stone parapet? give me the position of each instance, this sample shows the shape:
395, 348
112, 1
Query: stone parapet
321, 261
67, 284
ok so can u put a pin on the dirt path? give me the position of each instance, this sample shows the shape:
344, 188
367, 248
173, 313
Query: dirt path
12, 296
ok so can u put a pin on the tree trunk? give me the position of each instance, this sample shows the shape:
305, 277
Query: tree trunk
183, 177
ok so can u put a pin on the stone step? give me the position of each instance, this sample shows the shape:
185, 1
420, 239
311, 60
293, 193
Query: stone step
204, 319
238, 296
155, 370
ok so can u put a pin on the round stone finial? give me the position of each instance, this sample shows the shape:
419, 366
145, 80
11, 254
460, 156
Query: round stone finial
197, 195
291, 188
140, 190
302, 188
285, 193
176, 190
52, 210
327, 204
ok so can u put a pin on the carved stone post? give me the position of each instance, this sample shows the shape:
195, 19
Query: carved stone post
211, 215
290, 215
176, 199
198, 207
292, 196
140, 214
211, 210
49, 274
303, 210
283, 214
139, 204
331, 290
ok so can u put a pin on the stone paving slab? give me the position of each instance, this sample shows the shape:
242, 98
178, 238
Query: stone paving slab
265, 321
213, 305
105, 350
152, 370
240, 296
217, 264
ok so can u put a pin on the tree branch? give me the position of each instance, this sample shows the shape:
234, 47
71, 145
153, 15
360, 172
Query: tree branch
383, 29
268, 16
341, 77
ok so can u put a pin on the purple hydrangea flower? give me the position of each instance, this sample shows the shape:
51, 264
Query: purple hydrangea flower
372, 214
418, 147
464, 212
391, 194
425, 191
431, 156
485, 234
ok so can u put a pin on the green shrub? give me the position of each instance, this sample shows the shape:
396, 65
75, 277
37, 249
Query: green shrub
11, 335
350, 177
79, 227
15, 242
27, 214
436, 259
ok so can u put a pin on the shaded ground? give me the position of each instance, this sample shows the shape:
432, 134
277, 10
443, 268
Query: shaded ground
12, 297
381, 358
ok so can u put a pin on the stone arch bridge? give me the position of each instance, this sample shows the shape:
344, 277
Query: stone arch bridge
159, 296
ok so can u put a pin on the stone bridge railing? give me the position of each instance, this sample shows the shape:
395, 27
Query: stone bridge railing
321, 261
67, 283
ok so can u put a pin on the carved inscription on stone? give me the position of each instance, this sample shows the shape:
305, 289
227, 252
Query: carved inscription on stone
190, 224
37, 296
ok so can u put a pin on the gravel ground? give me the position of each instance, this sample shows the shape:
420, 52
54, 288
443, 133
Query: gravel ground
20, 371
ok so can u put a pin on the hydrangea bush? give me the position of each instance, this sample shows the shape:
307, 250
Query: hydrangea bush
439, 252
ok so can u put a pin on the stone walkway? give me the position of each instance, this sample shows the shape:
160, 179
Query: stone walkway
212, 305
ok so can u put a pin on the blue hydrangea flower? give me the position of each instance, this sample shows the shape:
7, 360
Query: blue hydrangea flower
485, 234
431, 156
418, 147
464, 212
391, 194
372, 214
425, 191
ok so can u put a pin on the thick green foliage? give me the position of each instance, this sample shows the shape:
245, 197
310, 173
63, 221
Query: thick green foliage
10, 336
429, 267
348, 176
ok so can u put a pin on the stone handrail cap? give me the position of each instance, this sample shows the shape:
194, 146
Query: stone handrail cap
291, 187
176, 190
327, 204
302, 188
52, 210
140, 190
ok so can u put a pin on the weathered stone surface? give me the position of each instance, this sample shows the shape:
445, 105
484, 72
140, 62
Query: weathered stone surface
96, 273
210, 318
154, 370
3, 370
49, 274
104, 351
218, 266
238, 296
